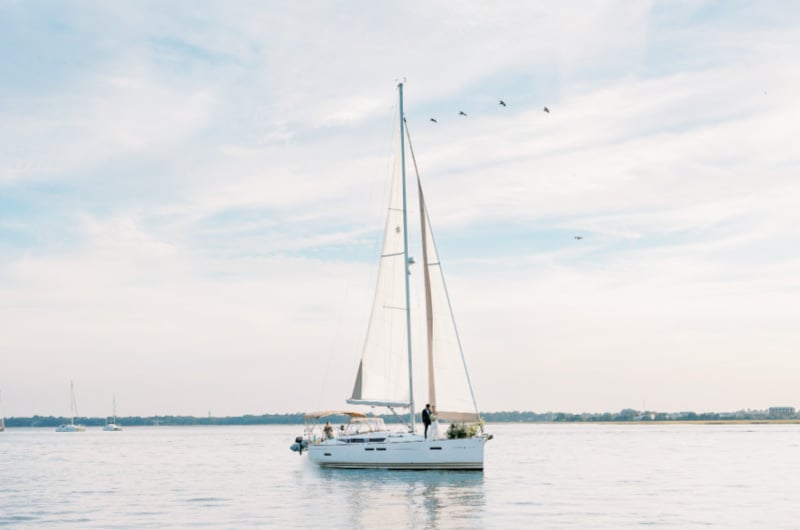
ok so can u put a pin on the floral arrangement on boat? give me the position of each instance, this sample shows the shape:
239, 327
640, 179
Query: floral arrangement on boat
463, 430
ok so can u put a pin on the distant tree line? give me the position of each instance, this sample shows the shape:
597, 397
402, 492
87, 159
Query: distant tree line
634, 415
264, 419
491, 417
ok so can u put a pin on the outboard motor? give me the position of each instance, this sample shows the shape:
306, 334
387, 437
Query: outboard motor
299, 445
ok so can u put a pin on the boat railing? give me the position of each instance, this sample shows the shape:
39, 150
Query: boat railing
315, 431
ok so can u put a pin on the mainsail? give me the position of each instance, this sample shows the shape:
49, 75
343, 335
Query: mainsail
383, 372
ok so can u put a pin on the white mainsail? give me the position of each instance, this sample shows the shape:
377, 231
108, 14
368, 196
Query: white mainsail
383, 372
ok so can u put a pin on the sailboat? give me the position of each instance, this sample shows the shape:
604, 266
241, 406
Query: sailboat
2, 416
73, 411
112, 425
385, 376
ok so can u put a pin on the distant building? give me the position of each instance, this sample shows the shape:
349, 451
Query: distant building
781, 412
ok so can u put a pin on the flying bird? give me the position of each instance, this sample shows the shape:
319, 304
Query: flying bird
547, 110
503, 103
461, 112
434, 120
578, 237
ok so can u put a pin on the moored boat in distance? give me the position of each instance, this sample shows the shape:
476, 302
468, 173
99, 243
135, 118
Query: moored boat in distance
70, 427
112, 425
385, 376
73, 410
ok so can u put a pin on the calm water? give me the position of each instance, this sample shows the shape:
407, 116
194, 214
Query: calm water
537, 476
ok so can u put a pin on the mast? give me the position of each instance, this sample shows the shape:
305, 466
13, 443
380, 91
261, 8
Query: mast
411, 411
73, 406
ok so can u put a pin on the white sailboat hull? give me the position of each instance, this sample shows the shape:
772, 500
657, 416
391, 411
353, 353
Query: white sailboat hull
410, 452
70, 428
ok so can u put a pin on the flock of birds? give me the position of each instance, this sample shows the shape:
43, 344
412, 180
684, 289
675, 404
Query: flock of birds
501, 103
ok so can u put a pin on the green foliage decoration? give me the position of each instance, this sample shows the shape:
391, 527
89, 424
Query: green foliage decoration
462, 430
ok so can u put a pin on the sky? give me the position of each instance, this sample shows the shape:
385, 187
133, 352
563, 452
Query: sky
192, 196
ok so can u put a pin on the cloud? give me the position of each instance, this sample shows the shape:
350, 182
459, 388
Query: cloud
187, 197
133, 307
55, 137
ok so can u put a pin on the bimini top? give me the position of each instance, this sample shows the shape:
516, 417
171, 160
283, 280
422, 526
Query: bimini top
323, 413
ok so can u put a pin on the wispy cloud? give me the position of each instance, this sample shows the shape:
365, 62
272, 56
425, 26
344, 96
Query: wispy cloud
198, 189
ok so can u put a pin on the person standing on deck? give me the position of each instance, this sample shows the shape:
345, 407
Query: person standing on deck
426, 418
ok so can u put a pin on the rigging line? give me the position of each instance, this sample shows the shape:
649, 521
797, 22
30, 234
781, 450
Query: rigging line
334, 344
411, 150
441, 273
428, 307
399, 418
372, 191
453, 319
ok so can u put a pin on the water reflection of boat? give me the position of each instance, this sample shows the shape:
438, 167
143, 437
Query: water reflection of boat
418, 500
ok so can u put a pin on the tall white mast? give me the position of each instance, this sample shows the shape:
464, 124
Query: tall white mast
412, 412
73, 405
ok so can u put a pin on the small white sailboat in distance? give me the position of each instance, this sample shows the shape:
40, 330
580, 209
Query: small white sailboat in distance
112, 425
73, 411
385, 376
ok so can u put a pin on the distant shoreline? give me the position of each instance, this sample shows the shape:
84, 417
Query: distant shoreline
644, 424
664, 422
298, 419
712, 422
